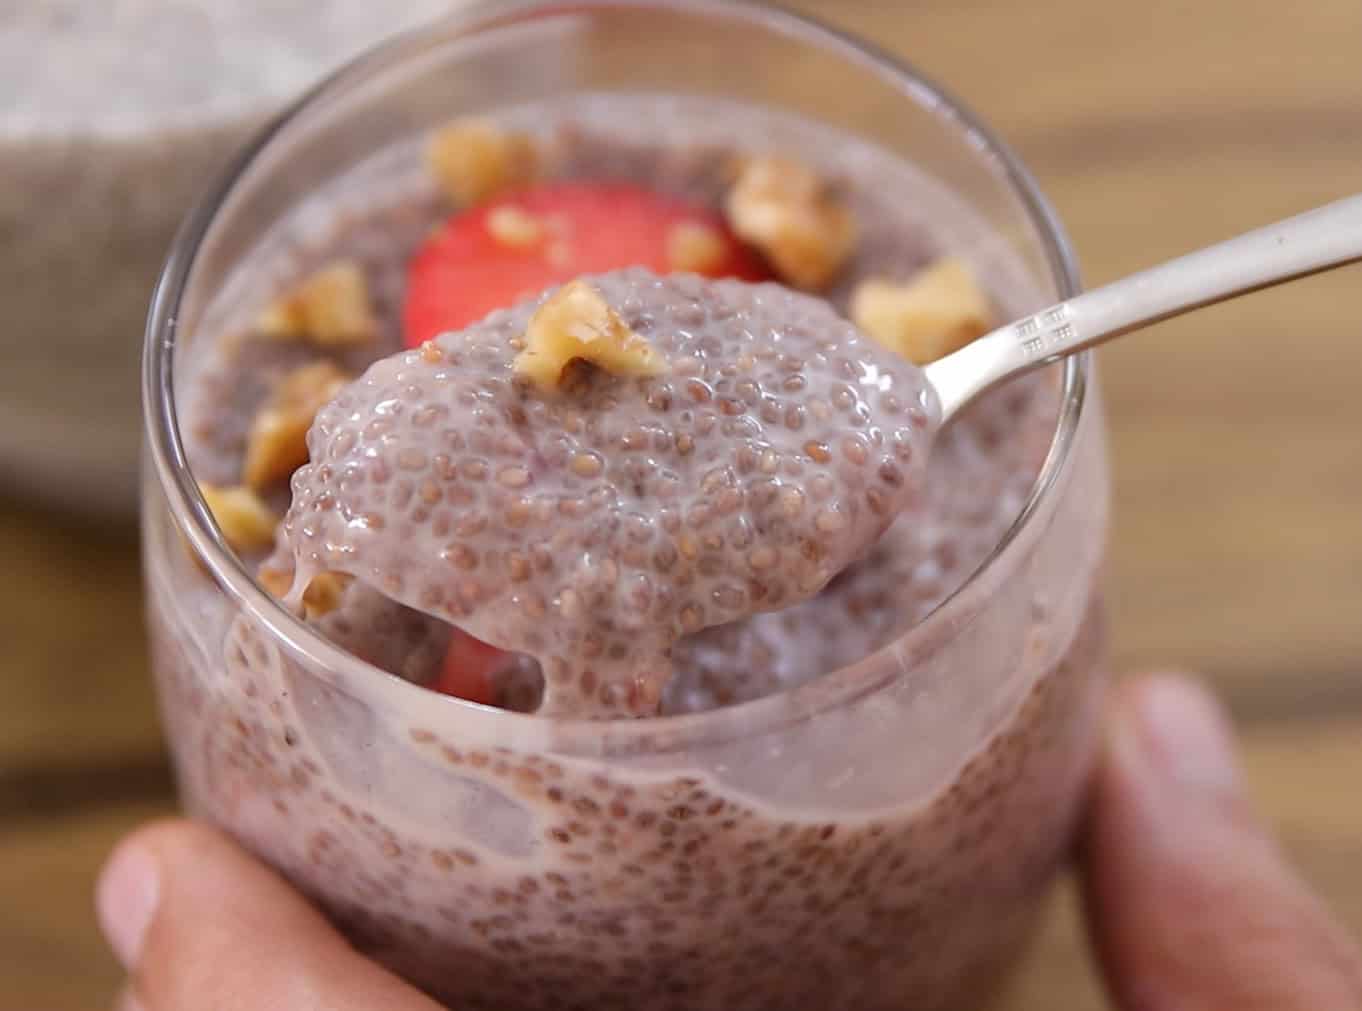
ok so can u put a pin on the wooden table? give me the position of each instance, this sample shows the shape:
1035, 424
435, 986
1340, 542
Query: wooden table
1238, 440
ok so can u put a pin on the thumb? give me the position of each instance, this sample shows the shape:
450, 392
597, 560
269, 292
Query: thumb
200, 925
1191, 903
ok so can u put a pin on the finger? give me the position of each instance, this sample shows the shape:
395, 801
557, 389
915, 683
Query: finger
1191, 904
201, 926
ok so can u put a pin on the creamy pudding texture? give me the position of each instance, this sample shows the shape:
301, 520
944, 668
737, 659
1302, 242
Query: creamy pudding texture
881, 851
976, 482
593, 526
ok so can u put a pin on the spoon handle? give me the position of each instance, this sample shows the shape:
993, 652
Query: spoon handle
1317, 240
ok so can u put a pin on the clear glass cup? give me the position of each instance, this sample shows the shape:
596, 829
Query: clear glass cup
877, 838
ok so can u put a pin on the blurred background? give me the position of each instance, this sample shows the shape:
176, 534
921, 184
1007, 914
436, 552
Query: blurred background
1154, 127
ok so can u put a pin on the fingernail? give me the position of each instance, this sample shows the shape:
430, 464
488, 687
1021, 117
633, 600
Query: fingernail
1187, 736
125, 901
129, 1001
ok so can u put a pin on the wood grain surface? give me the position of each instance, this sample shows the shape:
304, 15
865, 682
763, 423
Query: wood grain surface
1237, 544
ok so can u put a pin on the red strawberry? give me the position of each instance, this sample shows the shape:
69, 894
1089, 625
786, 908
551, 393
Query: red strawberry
499, 253
468, 668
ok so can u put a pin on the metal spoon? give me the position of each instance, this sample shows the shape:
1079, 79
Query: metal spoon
1317, 240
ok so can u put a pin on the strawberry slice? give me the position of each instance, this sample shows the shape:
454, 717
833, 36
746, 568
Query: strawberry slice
468, 668
501, 252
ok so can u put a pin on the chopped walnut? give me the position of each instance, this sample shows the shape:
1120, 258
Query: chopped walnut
276, 581
788, 212
936, 312
474, 159
695, 247
577, 324
245, 521
322, 596
329, 308
277, 442
514, 227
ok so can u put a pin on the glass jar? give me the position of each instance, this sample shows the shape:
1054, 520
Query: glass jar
879, 837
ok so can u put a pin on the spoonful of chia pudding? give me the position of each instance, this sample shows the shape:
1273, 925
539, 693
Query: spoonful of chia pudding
626, 460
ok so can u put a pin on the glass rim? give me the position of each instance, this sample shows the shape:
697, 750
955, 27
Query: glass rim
167, 460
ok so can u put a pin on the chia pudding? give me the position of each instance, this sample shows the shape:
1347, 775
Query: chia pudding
697, 555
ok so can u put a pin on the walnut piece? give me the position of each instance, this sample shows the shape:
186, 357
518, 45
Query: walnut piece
244, 519
474, 159
322, 596
938, 311
575, 324
329, 308
695, 247
277, 442
276, 581
788, 212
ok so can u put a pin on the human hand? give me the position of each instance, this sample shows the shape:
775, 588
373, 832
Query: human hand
202, 926
1190, 901
1191, 904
